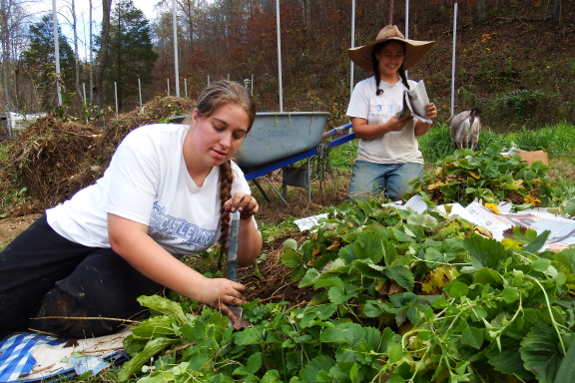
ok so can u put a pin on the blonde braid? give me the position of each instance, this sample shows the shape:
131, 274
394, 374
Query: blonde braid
226, 180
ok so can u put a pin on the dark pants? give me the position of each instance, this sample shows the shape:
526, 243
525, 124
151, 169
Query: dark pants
43, 275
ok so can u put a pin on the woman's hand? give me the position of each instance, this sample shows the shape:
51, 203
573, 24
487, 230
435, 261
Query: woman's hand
396, 124
220, 293
245, 203
431, 111
422, 127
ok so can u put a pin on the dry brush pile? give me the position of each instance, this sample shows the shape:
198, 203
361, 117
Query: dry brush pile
54, 159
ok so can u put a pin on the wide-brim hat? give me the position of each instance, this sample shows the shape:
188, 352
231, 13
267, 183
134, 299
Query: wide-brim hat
414, 51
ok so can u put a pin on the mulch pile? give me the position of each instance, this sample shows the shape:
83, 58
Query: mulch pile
54, 159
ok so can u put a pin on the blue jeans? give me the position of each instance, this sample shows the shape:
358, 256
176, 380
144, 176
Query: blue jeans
370, 178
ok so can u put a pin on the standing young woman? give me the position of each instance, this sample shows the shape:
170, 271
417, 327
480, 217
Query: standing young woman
388, 155
167, 192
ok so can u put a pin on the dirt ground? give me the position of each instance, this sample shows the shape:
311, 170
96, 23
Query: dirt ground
11, 227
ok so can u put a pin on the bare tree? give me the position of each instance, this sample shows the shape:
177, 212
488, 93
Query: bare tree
480, 9
102, 55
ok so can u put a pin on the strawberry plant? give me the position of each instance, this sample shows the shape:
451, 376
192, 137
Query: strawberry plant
489, 176
399, 297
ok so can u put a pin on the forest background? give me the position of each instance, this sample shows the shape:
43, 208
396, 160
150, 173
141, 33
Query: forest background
514, 59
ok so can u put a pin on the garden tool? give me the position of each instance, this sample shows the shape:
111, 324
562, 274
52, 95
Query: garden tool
240, 323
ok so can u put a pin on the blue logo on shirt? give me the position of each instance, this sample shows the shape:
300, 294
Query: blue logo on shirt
166, 228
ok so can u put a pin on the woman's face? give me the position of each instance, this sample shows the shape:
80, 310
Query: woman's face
216, 138
390, 58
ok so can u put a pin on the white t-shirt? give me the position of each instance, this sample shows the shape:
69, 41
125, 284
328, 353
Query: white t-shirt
392, 147
148, 182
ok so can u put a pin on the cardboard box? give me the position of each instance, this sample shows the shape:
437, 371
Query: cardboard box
530, 157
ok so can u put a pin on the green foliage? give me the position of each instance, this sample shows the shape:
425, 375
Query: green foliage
40, 62
131, 55
343, 156
464, 308
523, 107
487, 175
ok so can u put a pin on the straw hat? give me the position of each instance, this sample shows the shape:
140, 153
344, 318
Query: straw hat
414, 51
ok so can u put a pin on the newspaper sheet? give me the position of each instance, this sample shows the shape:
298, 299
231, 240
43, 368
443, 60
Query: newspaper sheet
414, 101
562, 230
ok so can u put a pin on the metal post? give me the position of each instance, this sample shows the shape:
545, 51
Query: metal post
252, 85
279, 37
351, 70
140, 91
186, 87
56, 50
453, 59
168, 82
175, 23
116, 96
208, 80
406, 24
85, 101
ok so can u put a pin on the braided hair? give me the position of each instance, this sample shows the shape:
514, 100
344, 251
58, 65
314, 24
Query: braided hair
375, 64
216, 95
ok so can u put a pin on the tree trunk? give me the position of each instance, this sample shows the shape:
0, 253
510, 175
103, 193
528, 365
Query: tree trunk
480, 10
4, 16
76, 55
557, 7
103, 55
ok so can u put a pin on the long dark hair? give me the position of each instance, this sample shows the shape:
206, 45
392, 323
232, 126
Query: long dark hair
375, 64
217, 94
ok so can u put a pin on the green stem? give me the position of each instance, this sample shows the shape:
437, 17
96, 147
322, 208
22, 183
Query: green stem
555, 324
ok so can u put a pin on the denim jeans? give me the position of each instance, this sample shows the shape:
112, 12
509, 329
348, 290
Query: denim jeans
371, 178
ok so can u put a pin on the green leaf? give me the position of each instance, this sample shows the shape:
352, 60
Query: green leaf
159, 325
402, 275
165, 306
541, 264
309, 278
271, 376
567, 258
153, 347
394, 352
252, 335
456, 289
484, 252
566, 371
368, 268
509, 295
348, 334
472, 336
290, 244
508, 360
291, 258
424, 220
317, 364
368, 245
487, 276
540, 352
254, 362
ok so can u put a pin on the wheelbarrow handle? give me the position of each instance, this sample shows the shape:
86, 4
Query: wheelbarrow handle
335, 131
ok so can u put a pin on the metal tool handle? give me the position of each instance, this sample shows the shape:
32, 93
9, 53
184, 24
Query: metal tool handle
233, 246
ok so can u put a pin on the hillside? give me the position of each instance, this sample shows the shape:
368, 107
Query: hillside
517, 63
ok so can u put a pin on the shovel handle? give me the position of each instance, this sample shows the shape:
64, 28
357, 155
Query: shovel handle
233, 247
